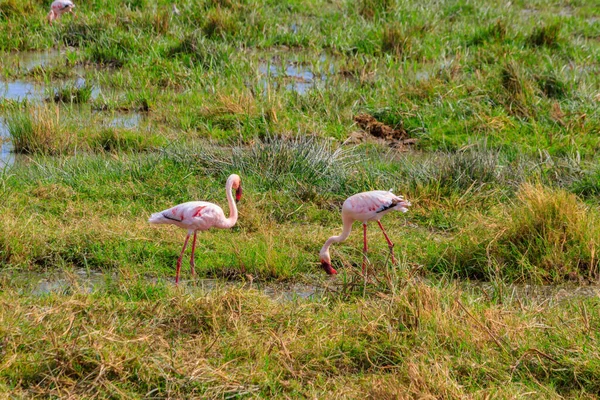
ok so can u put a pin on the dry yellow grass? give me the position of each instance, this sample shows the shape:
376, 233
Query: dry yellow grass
423, 341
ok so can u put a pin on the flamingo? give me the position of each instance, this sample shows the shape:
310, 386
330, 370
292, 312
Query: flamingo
200, 216
60, 7
364, 207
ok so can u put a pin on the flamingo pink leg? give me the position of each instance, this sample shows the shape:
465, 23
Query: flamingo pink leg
364, 248
390, 244
180, 258
192, 263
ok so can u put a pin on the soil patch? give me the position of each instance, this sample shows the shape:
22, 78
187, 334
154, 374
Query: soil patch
394, 137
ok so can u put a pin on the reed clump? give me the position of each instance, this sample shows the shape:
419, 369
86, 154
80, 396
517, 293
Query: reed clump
38, 130
545, 235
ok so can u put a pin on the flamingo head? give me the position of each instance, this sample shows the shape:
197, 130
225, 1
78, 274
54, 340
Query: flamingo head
236, 183
326, 265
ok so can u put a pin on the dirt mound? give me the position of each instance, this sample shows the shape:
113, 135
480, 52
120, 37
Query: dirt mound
394, 137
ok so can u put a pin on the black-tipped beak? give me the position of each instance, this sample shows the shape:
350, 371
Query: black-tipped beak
238, 193
328, 268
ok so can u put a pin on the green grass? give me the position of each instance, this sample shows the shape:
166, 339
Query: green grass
502, 102
73, 94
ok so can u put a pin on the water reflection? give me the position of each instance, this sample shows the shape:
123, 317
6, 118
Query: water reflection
7, 157
27, 60
300, 77
128, 121
21, 90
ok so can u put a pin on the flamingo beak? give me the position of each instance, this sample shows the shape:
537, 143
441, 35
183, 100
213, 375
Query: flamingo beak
238, 193
328, 268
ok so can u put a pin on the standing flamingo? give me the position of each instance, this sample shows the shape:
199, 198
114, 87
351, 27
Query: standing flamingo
364, 207
200, 216
60, 7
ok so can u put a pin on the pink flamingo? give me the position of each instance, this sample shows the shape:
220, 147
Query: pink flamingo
200, 216
364, 207
60, 7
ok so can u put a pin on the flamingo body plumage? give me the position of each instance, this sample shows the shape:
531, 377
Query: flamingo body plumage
197, 216
364, 207
60, 7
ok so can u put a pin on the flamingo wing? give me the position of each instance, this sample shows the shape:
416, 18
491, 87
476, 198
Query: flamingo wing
62, 4
371, 205
194, 215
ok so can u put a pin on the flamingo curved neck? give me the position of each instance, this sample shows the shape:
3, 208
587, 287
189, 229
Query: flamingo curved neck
233, 212
324, 253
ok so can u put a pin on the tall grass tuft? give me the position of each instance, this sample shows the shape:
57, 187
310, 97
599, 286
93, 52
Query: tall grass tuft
545, 36
370, 9
161, 22
38, 130
551, 234
517, 89
199, 51
80, 34
280, 161
494, 32
219, 23
589, 185
545, 235
112, 51
72, 93
552, 86
396, 41
123, 140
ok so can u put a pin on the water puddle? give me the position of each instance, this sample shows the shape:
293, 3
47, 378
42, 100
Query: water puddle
26, 61
70, 92
86, 281
21, 90
296, 75
7, 157
128, 121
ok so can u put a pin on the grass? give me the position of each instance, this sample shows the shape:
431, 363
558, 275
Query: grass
41, 130
38, 131
73, 94
500, 102
296, 187
133, 340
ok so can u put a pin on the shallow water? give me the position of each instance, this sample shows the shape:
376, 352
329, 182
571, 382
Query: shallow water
300, 76
125, 120
28, 60
7, 157
84, 281
21, 90
88, 281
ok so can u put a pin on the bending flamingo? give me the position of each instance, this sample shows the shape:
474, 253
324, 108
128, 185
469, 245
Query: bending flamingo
60, 7
200, 216
364, 207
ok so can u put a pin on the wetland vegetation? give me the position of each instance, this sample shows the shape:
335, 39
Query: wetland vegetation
485, 115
